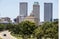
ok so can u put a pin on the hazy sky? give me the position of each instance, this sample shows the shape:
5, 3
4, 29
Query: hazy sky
10, 8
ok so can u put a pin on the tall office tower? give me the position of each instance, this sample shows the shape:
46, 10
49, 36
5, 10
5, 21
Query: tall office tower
23, 10
36, 11
48, 12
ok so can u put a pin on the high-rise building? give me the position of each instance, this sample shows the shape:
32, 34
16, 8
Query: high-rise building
36, 11
48, 12
23, 10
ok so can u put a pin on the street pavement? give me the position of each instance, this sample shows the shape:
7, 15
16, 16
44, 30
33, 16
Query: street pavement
6, 35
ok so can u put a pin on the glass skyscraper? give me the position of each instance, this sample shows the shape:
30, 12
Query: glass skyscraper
48, 12
23, 10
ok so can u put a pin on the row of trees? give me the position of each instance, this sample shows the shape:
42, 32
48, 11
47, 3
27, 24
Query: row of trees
48, 29
28, 29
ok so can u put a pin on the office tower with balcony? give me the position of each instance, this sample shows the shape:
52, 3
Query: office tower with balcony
36, 11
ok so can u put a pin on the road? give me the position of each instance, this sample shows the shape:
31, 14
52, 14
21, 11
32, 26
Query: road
8, 35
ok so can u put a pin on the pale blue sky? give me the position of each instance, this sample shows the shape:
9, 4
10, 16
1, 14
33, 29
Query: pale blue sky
10, 8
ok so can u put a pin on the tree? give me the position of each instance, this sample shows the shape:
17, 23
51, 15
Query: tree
48, 29
27, 27
2, 26
39, 33
9, 26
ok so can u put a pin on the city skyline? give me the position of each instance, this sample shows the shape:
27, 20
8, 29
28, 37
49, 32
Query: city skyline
11, 8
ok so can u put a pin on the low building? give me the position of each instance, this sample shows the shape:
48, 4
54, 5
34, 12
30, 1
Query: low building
31, 19
5, 20
55, 20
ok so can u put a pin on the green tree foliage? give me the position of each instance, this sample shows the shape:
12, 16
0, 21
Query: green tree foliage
6, 27
48, 29
27, 27
39, 32
2, 27
24, 28
9, 26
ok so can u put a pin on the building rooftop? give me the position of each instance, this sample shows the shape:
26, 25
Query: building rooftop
36, 3
23, 2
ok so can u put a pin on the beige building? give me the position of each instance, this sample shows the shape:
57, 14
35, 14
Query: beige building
5, 20
32, 19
